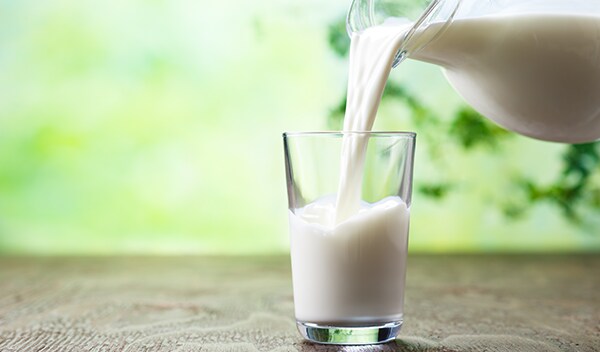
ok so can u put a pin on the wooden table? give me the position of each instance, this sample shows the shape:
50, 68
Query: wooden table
453, 303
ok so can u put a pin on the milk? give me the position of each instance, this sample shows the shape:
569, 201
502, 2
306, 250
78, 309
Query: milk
536, 74
371, 57
352, 272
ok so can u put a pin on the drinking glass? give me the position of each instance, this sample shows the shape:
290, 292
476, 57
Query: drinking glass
348, 274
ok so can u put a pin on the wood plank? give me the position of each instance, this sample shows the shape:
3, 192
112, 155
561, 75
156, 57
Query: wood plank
453, 303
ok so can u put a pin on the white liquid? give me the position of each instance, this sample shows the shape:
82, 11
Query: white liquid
351, 272
535, 74
372, 54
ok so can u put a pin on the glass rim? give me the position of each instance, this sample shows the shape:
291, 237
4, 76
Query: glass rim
404, 134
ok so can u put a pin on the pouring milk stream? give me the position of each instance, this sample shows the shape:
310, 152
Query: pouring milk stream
531, 66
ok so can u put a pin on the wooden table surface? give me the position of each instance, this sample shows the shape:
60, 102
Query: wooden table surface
453, 303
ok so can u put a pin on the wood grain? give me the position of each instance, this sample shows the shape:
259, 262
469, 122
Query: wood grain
453, 303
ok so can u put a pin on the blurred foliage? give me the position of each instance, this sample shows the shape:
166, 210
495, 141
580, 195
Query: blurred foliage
437, 191
573, 189
470, 129
154, 127
338, 38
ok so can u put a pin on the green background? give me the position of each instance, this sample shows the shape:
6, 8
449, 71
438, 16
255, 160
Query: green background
155, 127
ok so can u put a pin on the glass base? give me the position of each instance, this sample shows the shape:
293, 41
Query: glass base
359, 335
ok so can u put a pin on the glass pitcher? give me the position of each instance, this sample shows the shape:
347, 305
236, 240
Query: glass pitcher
532, 66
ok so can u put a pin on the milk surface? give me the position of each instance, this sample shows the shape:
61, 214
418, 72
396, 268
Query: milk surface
352, 272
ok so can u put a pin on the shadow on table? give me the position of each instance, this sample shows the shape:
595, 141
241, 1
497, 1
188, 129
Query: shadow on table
398, 345
452, 343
